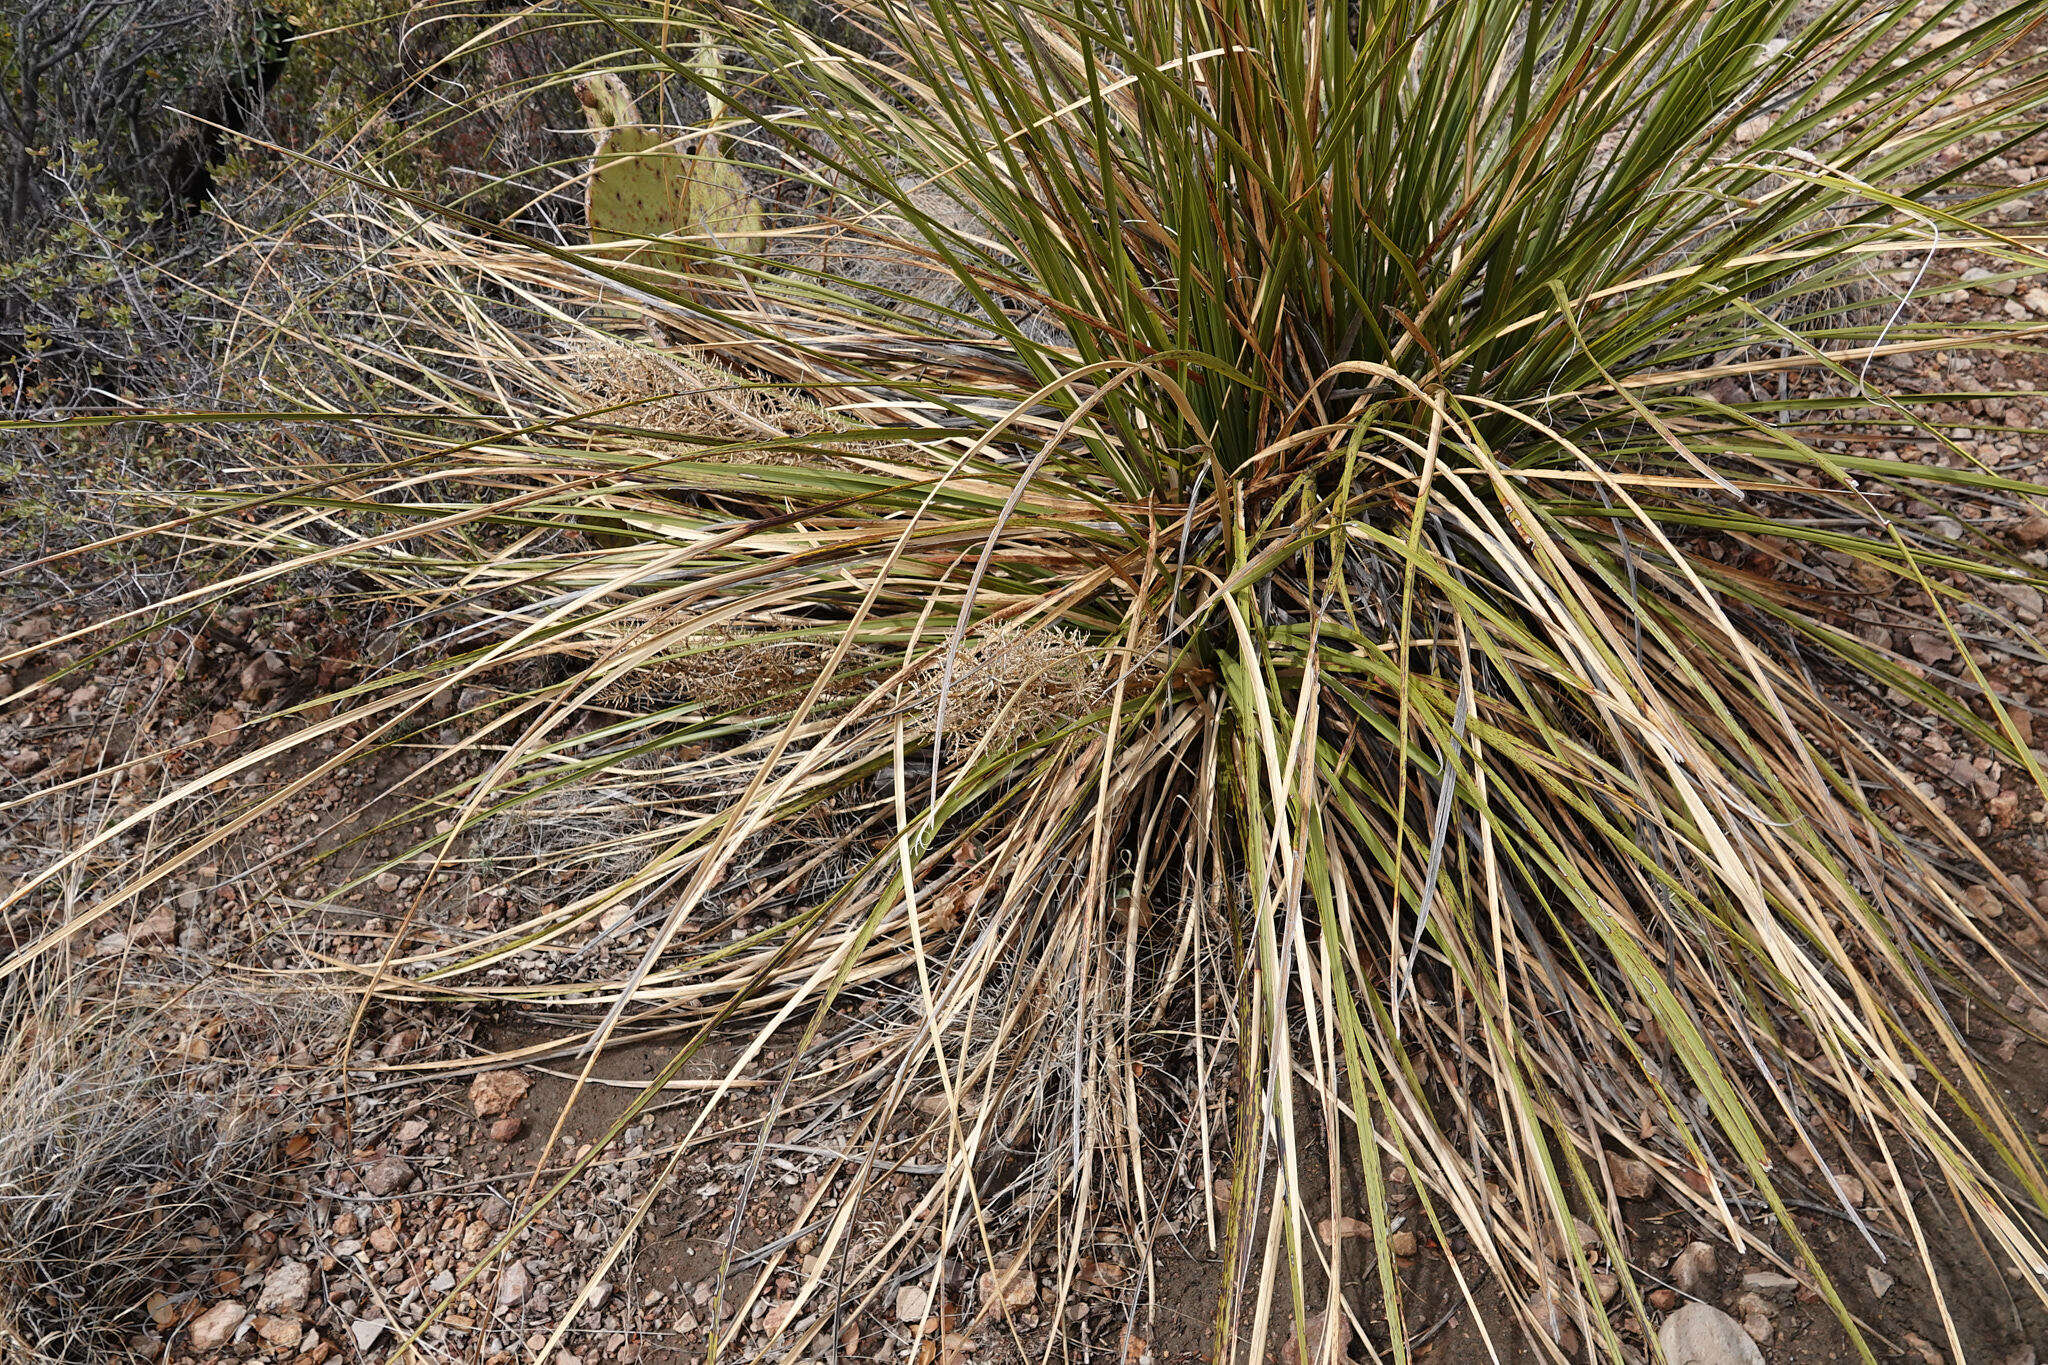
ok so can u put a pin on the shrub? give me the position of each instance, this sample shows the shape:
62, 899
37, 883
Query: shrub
1372, 574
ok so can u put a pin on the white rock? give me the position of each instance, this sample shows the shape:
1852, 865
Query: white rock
1879, 1281
514, 1284
2037, 299
289, 1285
366, 1331
211, 1329
1701, 1334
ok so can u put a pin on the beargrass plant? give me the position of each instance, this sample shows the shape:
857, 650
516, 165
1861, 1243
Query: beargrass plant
1278, 577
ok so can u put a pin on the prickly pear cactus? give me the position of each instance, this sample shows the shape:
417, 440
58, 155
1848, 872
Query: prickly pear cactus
643, 188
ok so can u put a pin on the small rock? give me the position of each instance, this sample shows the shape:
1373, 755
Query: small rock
1012, 1283
2032, 531
1335, 1230
1662, 1299
776, 1318
387, 1176
288, 1286
507, 1129
2037, 299
383, 1241
1632, 1179
1692, 1267
514, 1284
283, 1333
1701, 1334
600, 1295
495, 1092
1769, 1282
387, 882
1852, 1190
366, 1331
913, 1301
1758, 1326
1553, 1312
1312, 1332
1925, 1349
2025, 598
1879, 1281
159, 930
210, 1330
1401, 1243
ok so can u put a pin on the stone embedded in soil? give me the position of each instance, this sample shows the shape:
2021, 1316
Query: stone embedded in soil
1701, 1334
1401, 1243
1632, 1179
288, 1286
1334, 1230
495, 1092
1879, 1281
1692, 1267
211, 1330
507, 1129
1313, 1333
388, 1175
1769, 1282
514, 1285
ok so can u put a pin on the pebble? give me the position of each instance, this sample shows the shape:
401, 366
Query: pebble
211, 1329
1402, 1243
283, 1333
1701, 1334
507, 1129
1879, 1281
387, 1176
1012, 1281
366, 1331
288, 1286
514, 1284
1632, 1178
1692, 1267
1769, 1282
495, 1092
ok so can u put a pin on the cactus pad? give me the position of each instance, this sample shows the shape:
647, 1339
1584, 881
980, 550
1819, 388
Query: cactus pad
644, 187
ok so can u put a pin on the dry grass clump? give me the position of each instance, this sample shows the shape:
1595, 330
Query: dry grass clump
138, 1111
1016, 681
648, 390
